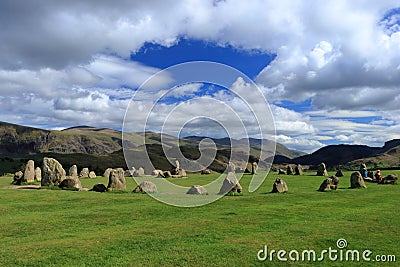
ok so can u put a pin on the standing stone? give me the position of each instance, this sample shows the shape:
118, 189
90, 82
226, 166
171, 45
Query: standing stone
155, 173
339, 173
322, 170
280, 171
254, 168
146, 187
298, 170
356, 180
53, 172
231, 167
117, 180
140, 171
107, 172
167, 174
84, 173
73, 172
38, 174
182, 173
177, 165
92, 175
70, 183
29, 174
330, 183
390, 179
230, 184
279, 186
18, 177
289, 170
197, 190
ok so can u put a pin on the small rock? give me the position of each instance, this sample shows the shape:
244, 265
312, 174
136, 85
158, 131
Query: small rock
146, 187
197, 190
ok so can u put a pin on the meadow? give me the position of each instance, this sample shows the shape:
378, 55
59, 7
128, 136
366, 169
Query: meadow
71, 228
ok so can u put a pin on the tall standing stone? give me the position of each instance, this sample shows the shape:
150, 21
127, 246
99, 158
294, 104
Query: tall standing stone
298, 170
117, 181
73, 172
107, 172
289, 170
140, 171
29, 174
254, 168
53, 172
38, 174
231, 167
322, 170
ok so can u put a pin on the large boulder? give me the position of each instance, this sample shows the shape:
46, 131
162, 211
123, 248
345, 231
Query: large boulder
107, 172
117, 181
18, 177
92, 175
356, 180
38, 174
29, 174
279, 186
70, 183
330, 183
53, 173
84, 173
390, 179
146, 187
99, 188
230, 184
339, 173
197, 190
73, 172
321, 171
289, 170
298, 170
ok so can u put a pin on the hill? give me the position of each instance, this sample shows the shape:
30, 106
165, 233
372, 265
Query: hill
350, 156
99, 148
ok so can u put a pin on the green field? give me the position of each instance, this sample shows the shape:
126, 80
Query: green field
70, 228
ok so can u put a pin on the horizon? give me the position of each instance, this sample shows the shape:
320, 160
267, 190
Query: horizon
199, 136
329, 71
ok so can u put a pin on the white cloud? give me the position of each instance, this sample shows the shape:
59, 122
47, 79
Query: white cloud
62, 64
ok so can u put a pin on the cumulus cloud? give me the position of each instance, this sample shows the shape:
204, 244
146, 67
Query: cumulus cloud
63, 63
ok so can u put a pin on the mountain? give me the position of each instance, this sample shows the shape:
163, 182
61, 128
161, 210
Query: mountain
99, 148
351, 155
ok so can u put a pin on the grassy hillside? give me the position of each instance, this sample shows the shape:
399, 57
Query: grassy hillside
66, 228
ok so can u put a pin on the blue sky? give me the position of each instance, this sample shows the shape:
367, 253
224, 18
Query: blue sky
329, 70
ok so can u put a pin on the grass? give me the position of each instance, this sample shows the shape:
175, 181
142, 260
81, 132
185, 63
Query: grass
68, 228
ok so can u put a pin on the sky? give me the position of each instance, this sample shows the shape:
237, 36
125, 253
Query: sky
329, 70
